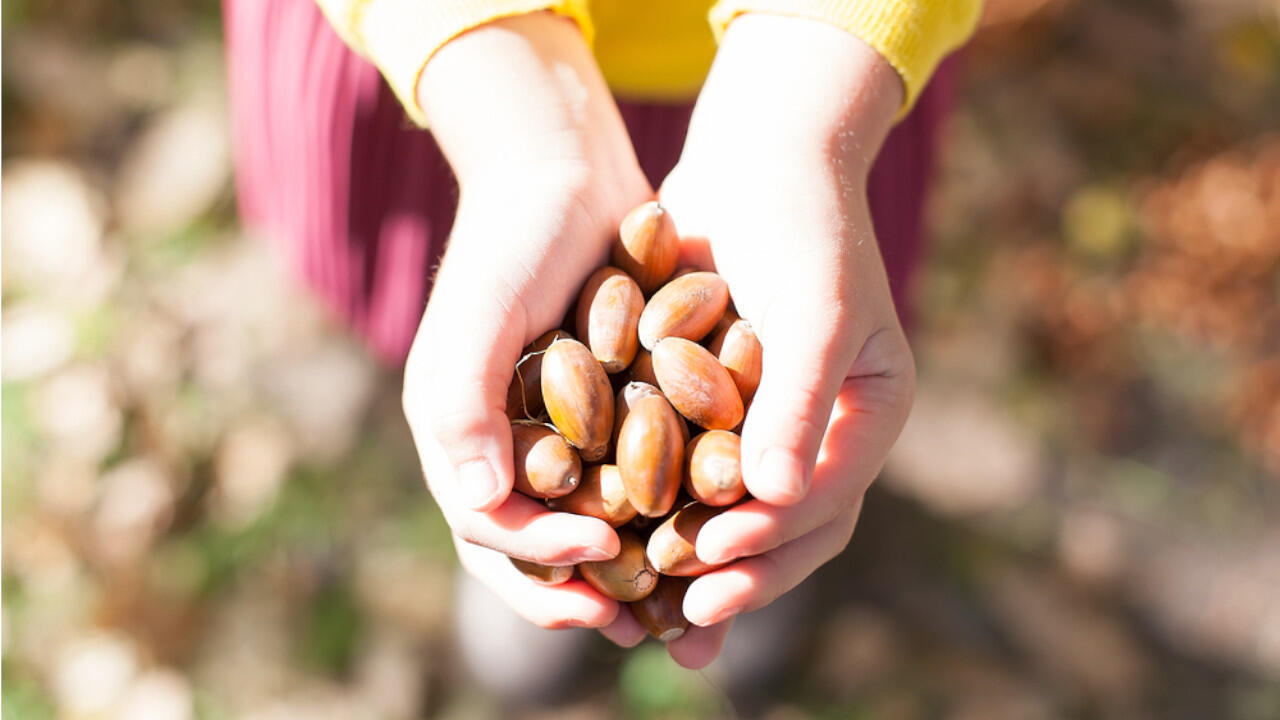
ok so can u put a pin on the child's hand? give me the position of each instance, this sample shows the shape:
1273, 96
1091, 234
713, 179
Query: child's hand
773, 183
546, 173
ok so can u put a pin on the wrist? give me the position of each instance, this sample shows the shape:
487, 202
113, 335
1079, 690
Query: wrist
522, 91
800, 88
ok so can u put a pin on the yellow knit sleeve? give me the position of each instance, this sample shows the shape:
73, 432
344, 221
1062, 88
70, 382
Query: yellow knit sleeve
400, 36
913, 35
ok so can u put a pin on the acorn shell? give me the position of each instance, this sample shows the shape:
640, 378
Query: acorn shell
626, 577
697, 384
739, 351
608, 312
647, 247
687, 307
713, 468
671, 546
650, 455
661, 612
579, 399
601, 495
524, 394
543, 574
545, 465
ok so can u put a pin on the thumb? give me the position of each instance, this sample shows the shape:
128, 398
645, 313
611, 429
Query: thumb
456, 383
807, 353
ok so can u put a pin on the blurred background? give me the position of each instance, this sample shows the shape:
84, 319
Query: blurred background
211, 506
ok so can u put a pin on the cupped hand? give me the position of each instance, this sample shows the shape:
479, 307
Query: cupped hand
545, 172
771, 192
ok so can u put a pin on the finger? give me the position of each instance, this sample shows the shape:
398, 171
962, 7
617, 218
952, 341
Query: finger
526, 529
865, 422
754, 582
519, 527
570, 604
456, 380
625, 630
807, 354
698, 646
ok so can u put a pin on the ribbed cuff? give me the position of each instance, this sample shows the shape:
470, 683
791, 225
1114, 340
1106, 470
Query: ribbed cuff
912, 35
400, 36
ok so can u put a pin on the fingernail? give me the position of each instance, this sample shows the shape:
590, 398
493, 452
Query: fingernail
784, 471
477, 483
596, 554
724, 614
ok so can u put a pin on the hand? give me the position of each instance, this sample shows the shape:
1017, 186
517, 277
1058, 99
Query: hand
546, 172
771, 192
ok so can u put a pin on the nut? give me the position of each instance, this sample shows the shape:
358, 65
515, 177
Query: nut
650, 455
631, 392
687, 307
578, 397
543, 574
713, 468
641, 369
545, 465
647, 247
524, 394
608, 311
671, 546
626, 577
739, 351
661, 612
696, 384
601, 494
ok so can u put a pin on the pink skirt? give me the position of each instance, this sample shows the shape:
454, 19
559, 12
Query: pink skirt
328, 164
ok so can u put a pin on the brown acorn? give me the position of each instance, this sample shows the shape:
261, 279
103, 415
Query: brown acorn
739, 351
713, 468
524, 394
662, 611
650, 455
687, 307
578, 397
641, 369
608, 311
671, 546
546, 466
626, 577
697, 384
631, 392
647, 247
543, 574
601, 494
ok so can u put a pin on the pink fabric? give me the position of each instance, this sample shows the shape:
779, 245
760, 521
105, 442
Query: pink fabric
328, 164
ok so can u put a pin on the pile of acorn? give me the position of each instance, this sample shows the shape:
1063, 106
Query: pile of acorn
601, 423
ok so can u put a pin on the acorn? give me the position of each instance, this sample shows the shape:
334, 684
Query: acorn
524, 394
546, 466
626, 577
650, 455
601, 495
661, 612
543, 574
671, 546
697, 384
641, 369
739, 351
608, 311
647, 247
687, 307
578, 396
713, 468
631, 392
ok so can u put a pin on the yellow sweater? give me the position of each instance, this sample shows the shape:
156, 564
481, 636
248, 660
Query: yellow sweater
648, 49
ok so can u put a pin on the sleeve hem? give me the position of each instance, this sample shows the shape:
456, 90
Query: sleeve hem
912, 35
